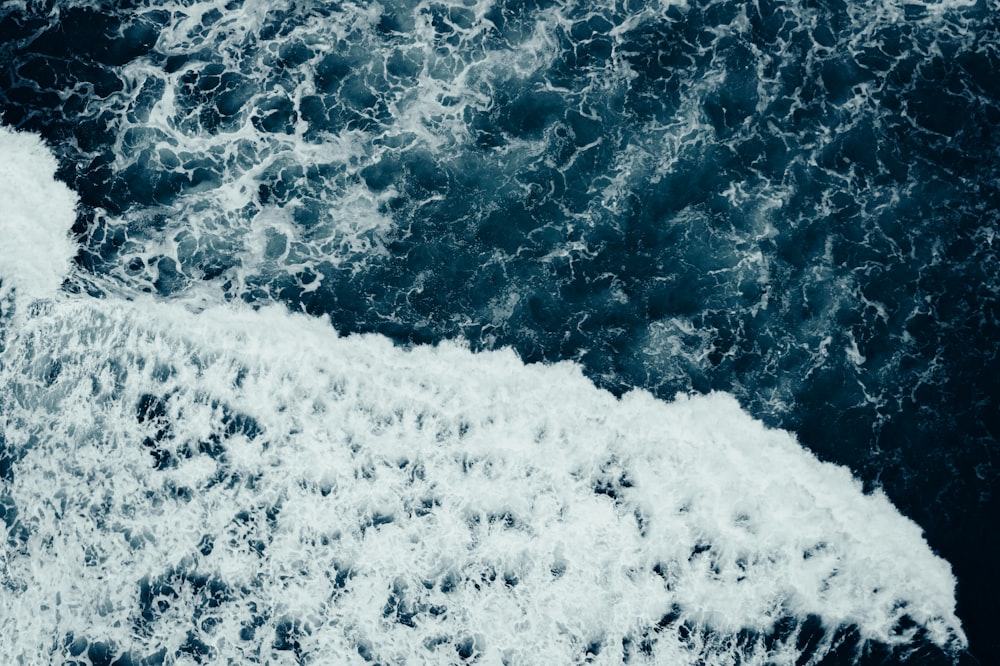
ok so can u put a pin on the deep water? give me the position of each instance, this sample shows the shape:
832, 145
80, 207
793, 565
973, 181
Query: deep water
796, 203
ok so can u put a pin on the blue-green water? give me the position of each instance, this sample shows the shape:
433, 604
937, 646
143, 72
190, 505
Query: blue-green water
795, 203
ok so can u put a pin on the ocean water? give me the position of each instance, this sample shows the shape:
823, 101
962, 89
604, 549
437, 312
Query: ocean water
499, 332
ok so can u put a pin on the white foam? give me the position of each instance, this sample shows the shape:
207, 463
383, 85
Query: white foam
410, 506
36, 214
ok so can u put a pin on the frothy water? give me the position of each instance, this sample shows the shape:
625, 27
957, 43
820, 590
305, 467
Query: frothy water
792, 206
241, 485
35, 219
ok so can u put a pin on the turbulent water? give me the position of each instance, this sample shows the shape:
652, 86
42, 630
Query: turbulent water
475, 332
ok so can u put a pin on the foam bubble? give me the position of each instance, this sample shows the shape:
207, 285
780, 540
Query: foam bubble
36, 213
246, 486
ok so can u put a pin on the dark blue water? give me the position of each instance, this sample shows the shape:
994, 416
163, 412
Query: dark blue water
795, 203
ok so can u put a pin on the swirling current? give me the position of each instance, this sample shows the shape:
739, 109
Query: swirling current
794, 203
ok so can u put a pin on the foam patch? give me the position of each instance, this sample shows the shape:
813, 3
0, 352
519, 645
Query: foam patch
36, 214
248, 487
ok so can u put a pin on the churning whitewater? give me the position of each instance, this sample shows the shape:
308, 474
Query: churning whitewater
192, 482
500, 332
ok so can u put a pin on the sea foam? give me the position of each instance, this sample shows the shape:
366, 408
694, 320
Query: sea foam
36, 214
246, 486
